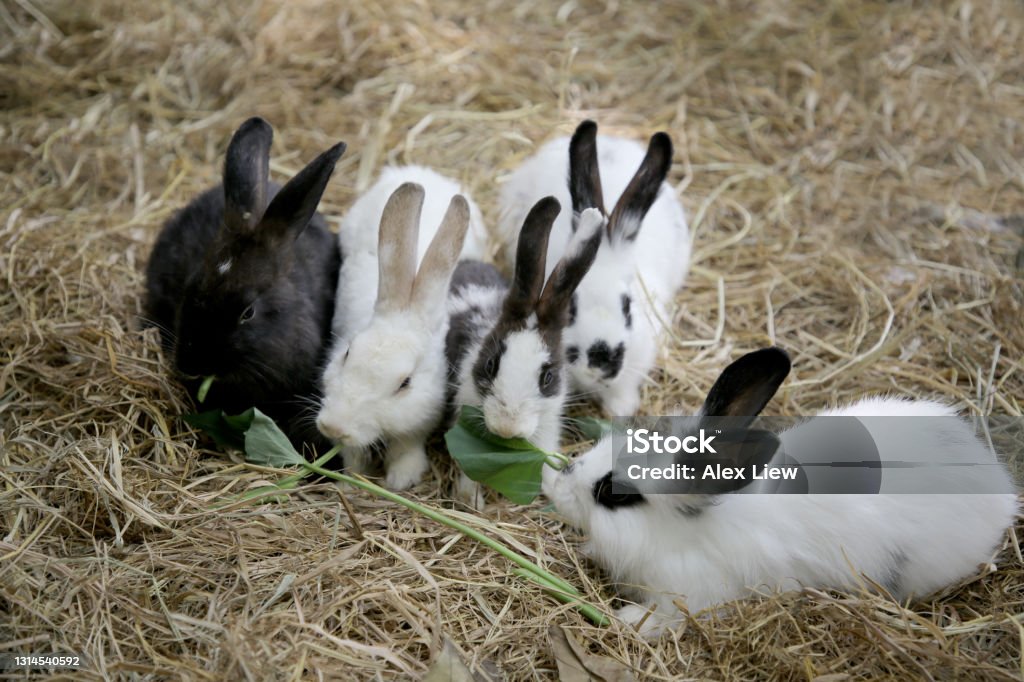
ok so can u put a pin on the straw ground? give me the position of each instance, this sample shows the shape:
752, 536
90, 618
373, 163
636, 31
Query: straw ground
853, 172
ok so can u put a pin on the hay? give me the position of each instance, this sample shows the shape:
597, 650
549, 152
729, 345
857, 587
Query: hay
852, 171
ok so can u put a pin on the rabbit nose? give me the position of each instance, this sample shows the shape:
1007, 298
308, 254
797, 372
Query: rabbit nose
329, 430
601, 357
505, 430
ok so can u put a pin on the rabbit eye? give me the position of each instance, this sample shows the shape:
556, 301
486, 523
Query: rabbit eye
345, 359
405, 383
547, 378
489, 365
247, 314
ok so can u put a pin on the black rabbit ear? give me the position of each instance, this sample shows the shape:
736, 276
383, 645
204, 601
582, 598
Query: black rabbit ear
246, 170
584, 175
553, 308
294, 206
642, 190
531, 255
740, 449
745, 387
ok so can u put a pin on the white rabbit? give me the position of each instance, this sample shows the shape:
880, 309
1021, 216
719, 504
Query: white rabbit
385, 386
711, 549
504, 343
357, 239
621, 306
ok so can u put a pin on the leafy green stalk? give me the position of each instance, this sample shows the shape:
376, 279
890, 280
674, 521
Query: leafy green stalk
595, 615
265, 444
204, 388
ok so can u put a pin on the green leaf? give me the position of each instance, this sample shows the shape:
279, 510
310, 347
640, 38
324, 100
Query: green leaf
510, 466
267, 445
592, 428
253, 432
472, 420
227, 431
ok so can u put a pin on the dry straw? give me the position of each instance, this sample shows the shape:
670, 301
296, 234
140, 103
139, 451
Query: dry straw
852, 171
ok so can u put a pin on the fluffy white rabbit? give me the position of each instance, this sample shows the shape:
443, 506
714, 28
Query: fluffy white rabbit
386, 384
710, 549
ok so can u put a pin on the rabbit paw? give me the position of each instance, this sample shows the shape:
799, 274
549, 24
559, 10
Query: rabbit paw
406, 467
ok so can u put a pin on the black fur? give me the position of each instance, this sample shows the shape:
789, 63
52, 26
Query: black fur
642, 190
284, 264
468, 327
625, 496
584, 175
893, 579
745, 387
608, 360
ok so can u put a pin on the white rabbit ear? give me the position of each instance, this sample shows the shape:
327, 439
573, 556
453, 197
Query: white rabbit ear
431, 284
396, 252
745, 387
246, 170
639, 195
584, 174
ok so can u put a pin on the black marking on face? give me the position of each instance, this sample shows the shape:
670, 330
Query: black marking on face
572, 311
626, 311
601, 356
572, 354
487, 364
549, 379
606, 497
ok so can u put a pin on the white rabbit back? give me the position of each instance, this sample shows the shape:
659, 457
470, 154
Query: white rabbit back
359, 231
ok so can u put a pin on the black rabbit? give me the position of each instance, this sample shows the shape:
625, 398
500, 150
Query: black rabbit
241, 284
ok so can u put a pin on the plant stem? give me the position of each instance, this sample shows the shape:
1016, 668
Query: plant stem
541, 576
286, 482
589, 610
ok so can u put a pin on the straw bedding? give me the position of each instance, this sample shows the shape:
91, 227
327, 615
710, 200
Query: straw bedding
854, 180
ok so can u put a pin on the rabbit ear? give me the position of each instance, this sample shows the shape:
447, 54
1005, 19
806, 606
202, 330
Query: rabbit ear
396, 252
745, 387
639, 195
553, 308
293, 207
431, 284
584, 175
531, 255
246, 169
740, 449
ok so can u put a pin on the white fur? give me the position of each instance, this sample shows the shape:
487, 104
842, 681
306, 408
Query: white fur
513, 406
650, 270
357, 238
363, 402
749, 542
